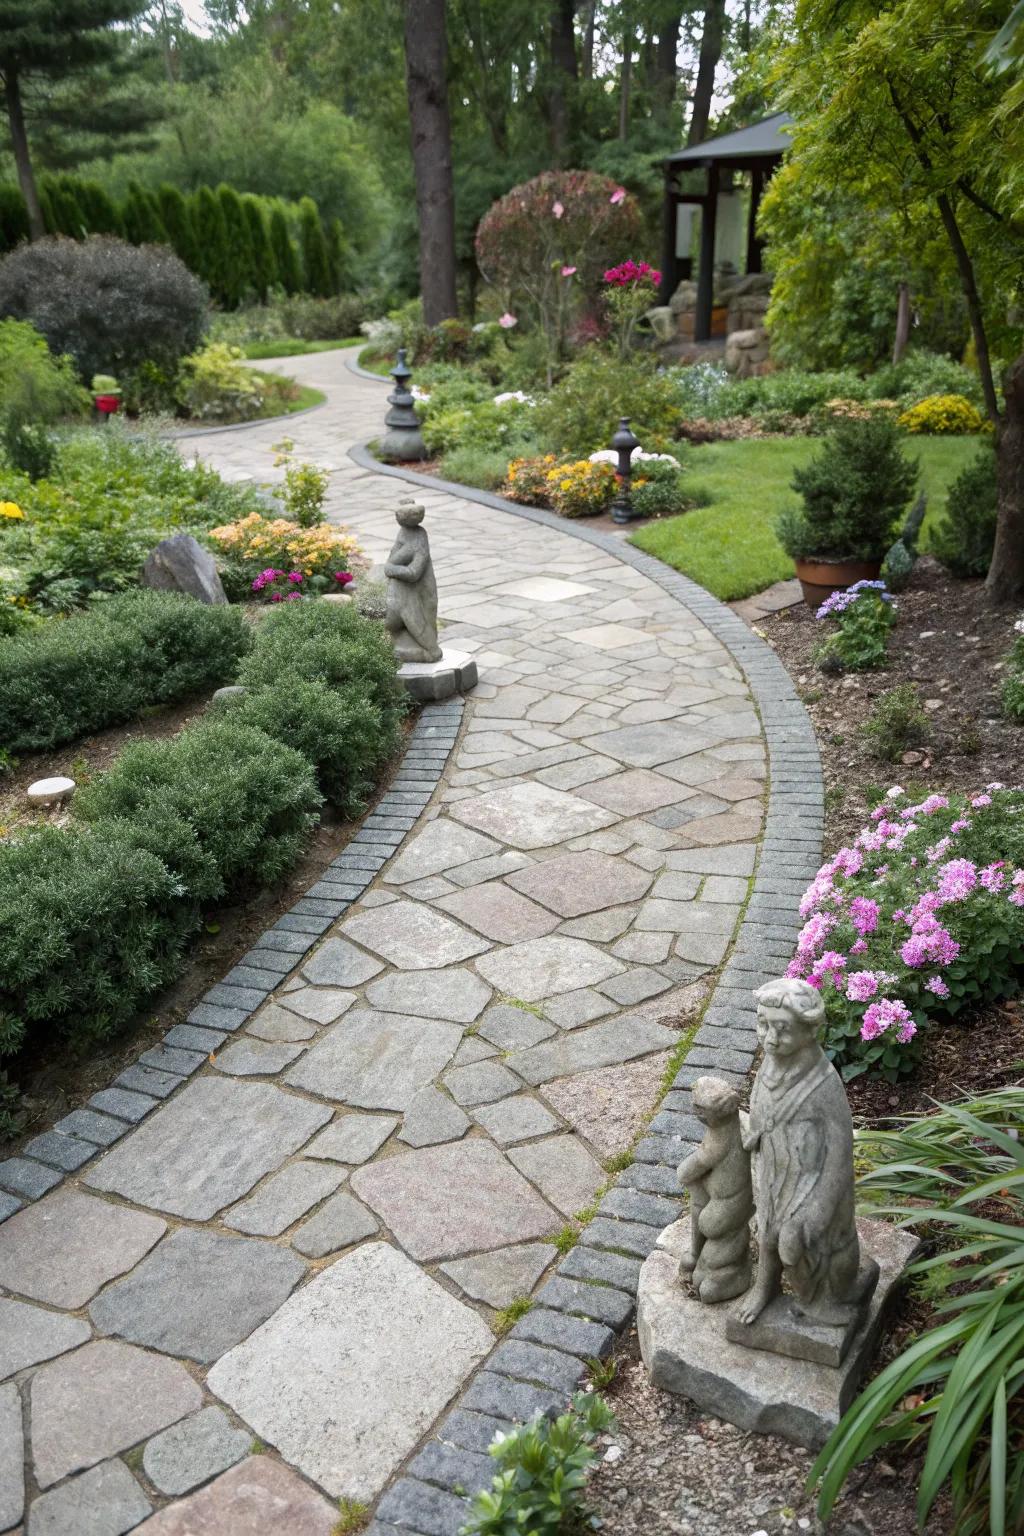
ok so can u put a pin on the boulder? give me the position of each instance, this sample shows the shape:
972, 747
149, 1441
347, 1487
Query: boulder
662, 321
180, 564
684, 298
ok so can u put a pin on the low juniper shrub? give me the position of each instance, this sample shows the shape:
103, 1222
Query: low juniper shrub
922, 915
862, 617
896, 723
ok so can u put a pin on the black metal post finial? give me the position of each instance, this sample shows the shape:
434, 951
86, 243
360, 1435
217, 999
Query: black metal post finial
624, 442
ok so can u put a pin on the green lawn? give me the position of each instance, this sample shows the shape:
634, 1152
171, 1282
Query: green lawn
306, 397
729, 545
294, 346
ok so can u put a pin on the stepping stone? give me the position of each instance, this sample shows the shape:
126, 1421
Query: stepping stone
563, 1169
433, 1118
500, 1277
515, 1119
12, 1455
321, 1004
578, 1008
444, 1202
29, 1334
500, 913
608, 1106
647, 948
648, 746
600, 1045
254, 1499
207, 1147
472, 1050
99, 1401
198, 1294
531, 815
442, 845
63, 1249
106, 1501
352, 1139
285, 1197
601, 927
513, 1029
575, 883
338, 1224
636, 986
540, 968
454, 994
481, 1083
193, 1451
256, 1058
339, 964
346, 1378
414, 937
610, 637
376, 1060
275, 1023
545, 589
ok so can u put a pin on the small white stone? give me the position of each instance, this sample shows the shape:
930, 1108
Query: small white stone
613, 1453
50, 791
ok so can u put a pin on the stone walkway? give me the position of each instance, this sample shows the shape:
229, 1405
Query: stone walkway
277, 1284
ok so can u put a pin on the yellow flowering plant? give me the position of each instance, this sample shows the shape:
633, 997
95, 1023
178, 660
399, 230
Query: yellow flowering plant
527, 480
581, 489
255, 543
11, 512
944, 415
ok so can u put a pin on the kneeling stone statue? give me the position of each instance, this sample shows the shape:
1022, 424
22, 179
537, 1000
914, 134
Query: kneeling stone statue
410, 615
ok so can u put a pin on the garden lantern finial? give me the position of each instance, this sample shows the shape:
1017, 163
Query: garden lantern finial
403, 439
624, 442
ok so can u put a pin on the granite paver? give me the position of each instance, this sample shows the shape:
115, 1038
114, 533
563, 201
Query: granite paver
63, 1249
105, 1501
252, 1499
30, 1334
193, 1451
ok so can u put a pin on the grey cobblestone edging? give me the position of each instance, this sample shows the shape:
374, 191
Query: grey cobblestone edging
353, 365
114, 1111
590, 1299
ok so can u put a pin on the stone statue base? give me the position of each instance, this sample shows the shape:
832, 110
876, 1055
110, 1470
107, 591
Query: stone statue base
431, 681
688, 1350
784, 1331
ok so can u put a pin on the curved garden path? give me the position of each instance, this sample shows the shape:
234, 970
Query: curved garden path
401, 1118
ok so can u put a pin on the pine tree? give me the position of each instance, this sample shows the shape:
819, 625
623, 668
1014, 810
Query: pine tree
52, 40
213, 255
177, 221
239, 271
264, 269
286, 257
315, 257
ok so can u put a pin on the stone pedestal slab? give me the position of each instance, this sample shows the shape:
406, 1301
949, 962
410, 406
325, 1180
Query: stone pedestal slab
430, 681
687, 1351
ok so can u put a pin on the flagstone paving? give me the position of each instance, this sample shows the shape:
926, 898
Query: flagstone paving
295, 1222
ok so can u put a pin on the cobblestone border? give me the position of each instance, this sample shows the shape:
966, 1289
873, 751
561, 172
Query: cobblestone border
242, 426
591, 1298
114, 1111
354, 366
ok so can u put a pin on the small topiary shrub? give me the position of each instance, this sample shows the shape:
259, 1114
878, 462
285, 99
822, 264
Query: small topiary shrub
99, 668
965, 537
942, 415
111, 306
854, 493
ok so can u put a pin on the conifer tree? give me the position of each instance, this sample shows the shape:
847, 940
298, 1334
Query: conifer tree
286, 257
99, 209
140, 215
211, 242
239, 276
315, 257
264, 271
340, 255
13, 217
177, 221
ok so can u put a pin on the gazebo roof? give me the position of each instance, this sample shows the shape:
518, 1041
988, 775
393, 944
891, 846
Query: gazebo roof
766, 140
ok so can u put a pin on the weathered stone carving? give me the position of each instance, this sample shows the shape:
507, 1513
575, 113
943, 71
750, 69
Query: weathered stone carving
411, 612
717, 1259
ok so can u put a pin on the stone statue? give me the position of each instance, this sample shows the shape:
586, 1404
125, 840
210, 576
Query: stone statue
411, 612
717, 1259
802, 1134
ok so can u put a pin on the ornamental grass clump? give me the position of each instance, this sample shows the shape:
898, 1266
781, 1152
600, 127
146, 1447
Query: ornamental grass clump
920, 917
863, 616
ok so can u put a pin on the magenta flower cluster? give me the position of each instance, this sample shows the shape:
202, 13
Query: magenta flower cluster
912, 919
628, 272
292, 586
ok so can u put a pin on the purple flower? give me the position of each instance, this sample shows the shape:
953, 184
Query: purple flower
980, 800
937, 985
993, 876
888, 1013
957, 880
865, 914
861, 985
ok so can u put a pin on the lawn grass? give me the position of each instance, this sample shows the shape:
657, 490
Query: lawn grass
729, 545
294, 346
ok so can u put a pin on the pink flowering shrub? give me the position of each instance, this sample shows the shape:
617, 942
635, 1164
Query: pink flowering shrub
630, 290
921, 916
274, 586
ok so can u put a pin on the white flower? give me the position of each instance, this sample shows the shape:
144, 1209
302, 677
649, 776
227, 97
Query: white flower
609, 456
419, 394
895, 792
1019, 627
514, 394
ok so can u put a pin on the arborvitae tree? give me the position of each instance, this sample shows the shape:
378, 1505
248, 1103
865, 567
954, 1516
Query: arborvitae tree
177, 221
67, 217
13, 217
340, 253
315, 257
239, 274
99, 209
140, 215
264, 270
213, 254
286, 257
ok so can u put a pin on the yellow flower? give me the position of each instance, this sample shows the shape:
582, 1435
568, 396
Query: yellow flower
10, 509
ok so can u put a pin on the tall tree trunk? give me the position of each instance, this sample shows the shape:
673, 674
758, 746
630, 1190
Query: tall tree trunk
589, 13
665, 62
22, 158
902, 336
564, 69
1005, 580
427, 85
710, 53
625, 84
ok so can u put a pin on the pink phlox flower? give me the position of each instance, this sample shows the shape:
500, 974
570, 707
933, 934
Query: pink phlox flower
795, 969
293, 597
929, 941
982, 800
618, 196
993, 876
829, 966
995, 785
936, 851
557, 209
888, 1013
858, 947
848, 861
881, 871
899, 916
814, 981
957, 880
294, 576
1016, 895
819, 890
568, 271
878, 813
927, 807
959, 826
507, 321
927, 903
861, 985
865, 914
937, 985
813, 934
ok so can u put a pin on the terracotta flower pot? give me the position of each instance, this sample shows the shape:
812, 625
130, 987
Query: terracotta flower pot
820, 578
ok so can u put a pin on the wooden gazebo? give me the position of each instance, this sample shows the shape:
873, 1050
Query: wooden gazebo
757, 149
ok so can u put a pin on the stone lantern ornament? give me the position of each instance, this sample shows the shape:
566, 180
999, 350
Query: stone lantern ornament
624, 442
781, 1346
403, 439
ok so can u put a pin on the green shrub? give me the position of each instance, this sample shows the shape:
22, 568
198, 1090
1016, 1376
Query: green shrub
920, 374
657, 490
68, 679
324, 319
286, 257
225, 808
942, 415
1013, 683
583, 410
896, 723
316, 260
855, 491
539, 1487
217, 386
964, 539
476, 465
36, 388
901, 556
790, 392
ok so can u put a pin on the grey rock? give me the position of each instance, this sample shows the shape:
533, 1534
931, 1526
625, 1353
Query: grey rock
256, 1058
62, 1250
339, 1223
275, 1023
574, 1009
515, 1119
323, 1005
351, 1372
601, 1045
449, 993
29, 1334
442, 845
181, 564
501, 1276
105, 1501
198, 1294
193, 1451
432, 1118
60, 1150
85, 1124
25, 1177
513, 1029
337, 963
412, 936
636, 986
376, 1060
480, 1083
540, 968
284, 1197
472, 1050
208, 1147
12, 1453
352, 1139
